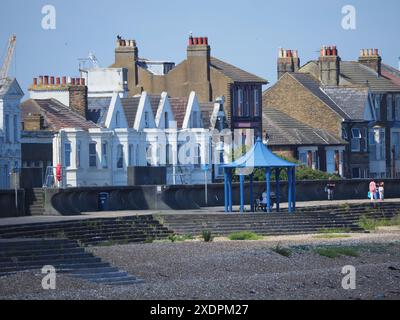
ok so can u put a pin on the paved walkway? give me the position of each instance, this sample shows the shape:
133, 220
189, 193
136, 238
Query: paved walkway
115, 214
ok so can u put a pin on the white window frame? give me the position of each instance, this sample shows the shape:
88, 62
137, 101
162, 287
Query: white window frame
92, 155
67, 154
356, 139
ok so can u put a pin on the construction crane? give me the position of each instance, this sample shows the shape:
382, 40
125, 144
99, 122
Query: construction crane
7, 61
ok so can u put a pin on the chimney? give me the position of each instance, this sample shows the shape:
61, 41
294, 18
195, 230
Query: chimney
127, 56
329, 66
78, 99
288, 61
198, 67
371, 59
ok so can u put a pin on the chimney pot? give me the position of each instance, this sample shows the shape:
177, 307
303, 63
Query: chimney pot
83, 81
46, 80
73, 81
40, 80
376, 52
191, 41
58, 81
64, 80
35, 82
52, 80
78, 81
206, 41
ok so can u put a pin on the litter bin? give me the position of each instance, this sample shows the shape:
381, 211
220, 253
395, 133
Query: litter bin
103, 201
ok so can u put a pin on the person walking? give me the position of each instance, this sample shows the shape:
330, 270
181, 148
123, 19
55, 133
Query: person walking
381, 190
372, 190
330, 187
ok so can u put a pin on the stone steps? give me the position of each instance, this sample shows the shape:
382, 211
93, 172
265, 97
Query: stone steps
70, 259
307, 220
92, 231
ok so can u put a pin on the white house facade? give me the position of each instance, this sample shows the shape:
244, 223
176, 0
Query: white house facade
10, 130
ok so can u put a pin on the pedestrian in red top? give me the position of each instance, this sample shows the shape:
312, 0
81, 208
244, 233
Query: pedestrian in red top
372, 190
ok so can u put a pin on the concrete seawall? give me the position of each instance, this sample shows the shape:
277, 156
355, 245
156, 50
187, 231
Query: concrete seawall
73, 201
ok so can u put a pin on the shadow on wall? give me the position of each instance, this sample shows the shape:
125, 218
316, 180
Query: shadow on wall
8, 207
77, 200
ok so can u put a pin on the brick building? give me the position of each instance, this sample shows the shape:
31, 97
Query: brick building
353, 100
209, 77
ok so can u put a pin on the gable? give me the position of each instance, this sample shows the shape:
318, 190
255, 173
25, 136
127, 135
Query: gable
192, 110
144, 108
164, 107
10, 88
291, 97
116, 115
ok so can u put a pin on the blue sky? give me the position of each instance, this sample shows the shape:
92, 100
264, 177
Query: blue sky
244, 33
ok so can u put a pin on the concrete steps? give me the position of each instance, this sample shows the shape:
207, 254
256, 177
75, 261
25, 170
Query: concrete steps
99, 231
34, 201
305, 220
65, 255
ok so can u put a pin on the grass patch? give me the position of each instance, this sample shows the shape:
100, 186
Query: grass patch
244, 235
331, 236
286, 252
334, 230
372, 224
334, 252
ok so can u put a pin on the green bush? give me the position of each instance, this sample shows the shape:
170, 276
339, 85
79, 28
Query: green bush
286, 252
207, 236
371, 224
244, 235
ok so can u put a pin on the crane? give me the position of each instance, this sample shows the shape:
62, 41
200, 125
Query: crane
7, 61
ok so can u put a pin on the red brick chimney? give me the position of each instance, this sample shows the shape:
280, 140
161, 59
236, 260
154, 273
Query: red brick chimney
371, 59
78, 96
288, 61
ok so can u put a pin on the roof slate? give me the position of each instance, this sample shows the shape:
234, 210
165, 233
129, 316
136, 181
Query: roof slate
357, 73
284, 130
98, 109
352, 100
234, 73
56, 115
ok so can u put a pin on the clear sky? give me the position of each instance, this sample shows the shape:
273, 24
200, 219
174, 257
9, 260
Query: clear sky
244, 33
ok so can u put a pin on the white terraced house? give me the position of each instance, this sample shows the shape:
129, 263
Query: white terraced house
139, 131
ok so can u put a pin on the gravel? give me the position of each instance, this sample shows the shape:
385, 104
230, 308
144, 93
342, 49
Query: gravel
233, 270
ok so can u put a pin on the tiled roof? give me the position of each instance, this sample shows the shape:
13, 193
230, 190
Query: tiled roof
234, 73
130, 106
314, 87
391, 73
56, 115
357, 73
350, 99
98, 109
154, 102
284, 130
178, 106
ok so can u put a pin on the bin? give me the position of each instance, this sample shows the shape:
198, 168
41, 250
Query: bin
103, 201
